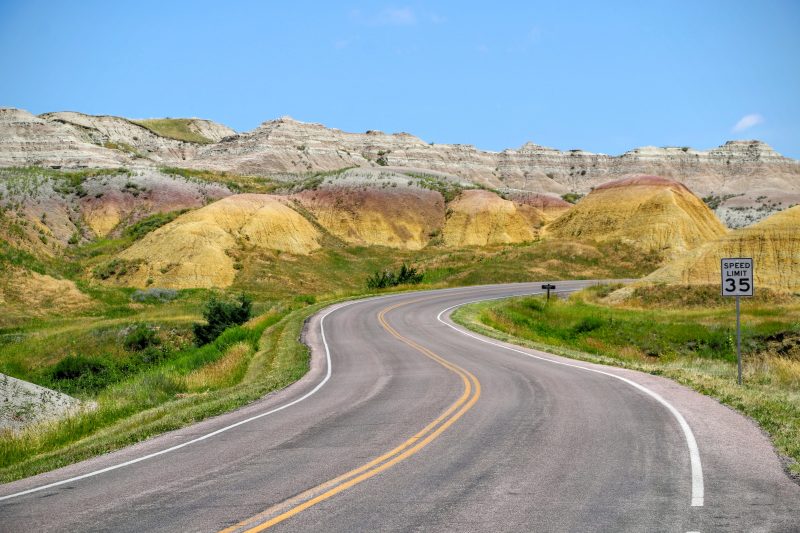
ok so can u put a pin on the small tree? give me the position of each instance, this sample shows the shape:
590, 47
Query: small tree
409, 275
387, 278
221, 315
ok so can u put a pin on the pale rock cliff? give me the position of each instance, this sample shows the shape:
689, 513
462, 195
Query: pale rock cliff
27, 140
749, 178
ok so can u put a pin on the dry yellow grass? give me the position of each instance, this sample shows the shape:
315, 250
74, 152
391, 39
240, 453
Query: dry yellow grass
40, 295
221, 372
649, 212
773, 243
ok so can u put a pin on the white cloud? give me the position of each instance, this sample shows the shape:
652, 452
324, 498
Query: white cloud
390, 16
747, 122
403, 16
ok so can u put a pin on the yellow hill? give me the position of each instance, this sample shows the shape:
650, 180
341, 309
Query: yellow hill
649, 212
773, 243
195, 249
399, 218
551, 207
480, 218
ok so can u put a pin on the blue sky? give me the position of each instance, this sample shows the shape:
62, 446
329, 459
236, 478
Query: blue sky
602, 76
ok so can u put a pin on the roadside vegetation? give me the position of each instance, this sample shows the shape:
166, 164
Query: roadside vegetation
406, 275
689, 337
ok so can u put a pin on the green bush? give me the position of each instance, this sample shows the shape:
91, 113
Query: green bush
154, 295
139, 338
220, 315
308, 299
115, 267
387, 278
587, 324
571, 197
76, 373
153, 222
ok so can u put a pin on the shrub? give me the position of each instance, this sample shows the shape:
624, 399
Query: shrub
587, 324
221, 315
387, 278
76, 374
76, 366
139, 338
153, 222
154, 295
115, 267
571, 197
308, 299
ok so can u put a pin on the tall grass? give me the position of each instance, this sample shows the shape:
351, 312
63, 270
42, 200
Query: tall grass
185, 388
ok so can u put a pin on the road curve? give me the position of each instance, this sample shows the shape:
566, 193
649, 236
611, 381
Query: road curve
405, 422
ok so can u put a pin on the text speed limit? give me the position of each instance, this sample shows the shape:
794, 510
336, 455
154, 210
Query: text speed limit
737, 276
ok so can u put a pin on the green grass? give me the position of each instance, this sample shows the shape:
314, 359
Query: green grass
27, 181
448, 189
338, 269
173, 128
158, 398
693, 345
234, 182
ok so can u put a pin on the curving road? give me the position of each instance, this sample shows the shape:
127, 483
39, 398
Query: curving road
407, 423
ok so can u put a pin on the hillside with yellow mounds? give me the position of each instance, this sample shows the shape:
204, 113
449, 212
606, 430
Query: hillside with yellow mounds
398, 218
773, 243
480, 218
196, 249
649, 212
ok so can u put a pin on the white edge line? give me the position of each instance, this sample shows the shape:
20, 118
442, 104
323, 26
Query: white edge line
208, 435
694, 452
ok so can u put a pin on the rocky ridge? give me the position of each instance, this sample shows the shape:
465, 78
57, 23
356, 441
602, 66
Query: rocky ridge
284, 145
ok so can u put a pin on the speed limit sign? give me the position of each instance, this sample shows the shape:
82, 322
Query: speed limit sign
737, 276
737, 280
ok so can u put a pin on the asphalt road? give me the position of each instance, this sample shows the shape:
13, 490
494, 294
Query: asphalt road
405, 423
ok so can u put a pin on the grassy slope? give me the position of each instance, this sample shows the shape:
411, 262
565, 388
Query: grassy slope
278, 361
173, 128
691, 344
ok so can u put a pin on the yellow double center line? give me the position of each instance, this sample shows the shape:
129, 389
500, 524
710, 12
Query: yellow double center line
285, 510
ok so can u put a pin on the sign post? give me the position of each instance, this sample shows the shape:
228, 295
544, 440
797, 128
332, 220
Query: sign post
737, 280
549, 287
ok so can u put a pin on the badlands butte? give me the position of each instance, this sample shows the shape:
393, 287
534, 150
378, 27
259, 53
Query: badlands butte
188, 203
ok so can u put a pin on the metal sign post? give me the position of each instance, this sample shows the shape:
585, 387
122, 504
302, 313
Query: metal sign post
737, 280
548, 287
